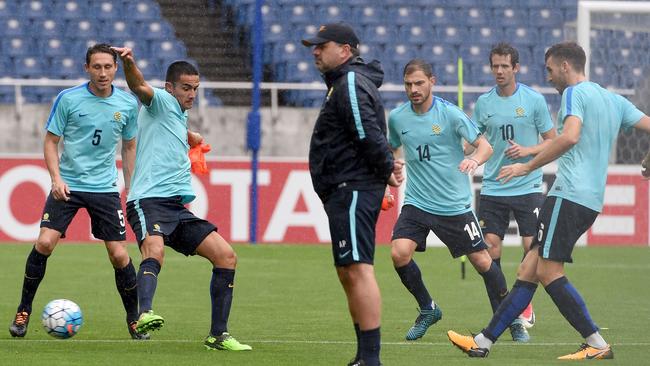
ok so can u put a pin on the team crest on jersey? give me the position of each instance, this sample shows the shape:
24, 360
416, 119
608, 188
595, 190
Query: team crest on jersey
117, 116
520, 112
436, 129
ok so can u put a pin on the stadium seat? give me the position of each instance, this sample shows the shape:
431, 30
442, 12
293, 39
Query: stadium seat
7, 8
368, 15
151, 68
630, 76
6, 67
298, 14
17, 46
70, 9
550, 36
53, 47
34, 9
381, 34
332, 13
510, 17
475, 16
416, 34
474, 53
142, 11
47, 27
401, 53
549, 18
440, 16
168, 51
107, 10
67, 68
485, 35
156, 30
13, 27
478, 74
301, 72
290, 51
29, 67
446, 74
403, 15
524, 36
440, 54
81, 29
276, 32
450, 34
117, 29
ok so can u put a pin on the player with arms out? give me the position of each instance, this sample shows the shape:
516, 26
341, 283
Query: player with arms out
589, 120
162, 185
512, 116
91, 119
438, 194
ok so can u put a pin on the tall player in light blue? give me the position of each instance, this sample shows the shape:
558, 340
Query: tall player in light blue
162, 185
589, 120
91, 119
438, 195
512, 116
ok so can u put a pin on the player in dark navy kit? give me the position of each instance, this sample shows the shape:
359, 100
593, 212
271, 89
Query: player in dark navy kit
90, 119
162, 185
350, 164
438, 195
589, 120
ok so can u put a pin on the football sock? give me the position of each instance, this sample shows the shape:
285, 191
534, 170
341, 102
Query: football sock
596, 340
482, 341
370, 345
34, 273
126, 282
357, 331
221, 287
510, 308
147, 282
495, 284
573, 308
412, 279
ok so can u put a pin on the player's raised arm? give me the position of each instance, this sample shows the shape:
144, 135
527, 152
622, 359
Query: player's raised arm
133, 76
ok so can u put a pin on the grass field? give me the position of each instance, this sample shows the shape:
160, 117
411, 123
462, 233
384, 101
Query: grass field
290, 308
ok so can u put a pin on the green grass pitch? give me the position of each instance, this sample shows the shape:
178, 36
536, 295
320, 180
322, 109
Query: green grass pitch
289, 306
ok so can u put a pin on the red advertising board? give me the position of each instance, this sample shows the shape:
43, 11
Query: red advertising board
289, 210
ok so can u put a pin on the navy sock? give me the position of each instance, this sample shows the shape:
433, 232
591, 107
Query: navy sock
221, 287
572, 306
495, 284
510, 308
412, 279
357, 331
370, 345
147, 281
127, 286
497, 261
34, 273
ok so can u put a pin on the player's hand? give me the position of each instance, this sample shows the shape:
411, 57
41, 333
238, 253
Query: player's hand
510, 171
197, 158
516, 151
468, 166
398, 170
125, 53
645, 164
388, 202
194, 138
60, 190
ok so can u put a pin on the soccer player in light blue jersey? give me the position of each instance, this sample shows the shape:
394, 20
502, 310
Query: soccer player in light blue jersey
429, 130
162, 185
589, 120
512, 116
91, 119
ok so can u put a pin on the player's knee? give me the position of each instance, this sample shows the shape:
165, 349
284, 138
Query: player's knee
481, 261
118, 256
401, 256
230, 258
45, 245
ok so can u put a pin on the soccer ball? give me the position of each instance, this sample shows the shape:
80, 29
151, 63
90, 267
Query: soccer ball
62, 318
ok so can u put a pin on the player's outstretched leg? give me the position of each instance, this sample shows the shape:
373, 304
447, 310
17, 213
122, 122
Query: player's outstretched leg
127, 287
467, 344
34, 273
147, 282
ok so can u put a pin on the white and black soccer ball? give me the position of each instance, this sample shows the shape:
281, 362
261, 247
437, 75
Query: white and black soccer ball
62, 318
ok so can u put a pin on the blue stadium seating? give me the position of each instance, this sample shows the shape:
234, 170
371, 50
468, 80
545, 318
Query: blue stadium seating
34, 9
13, 26
67, 67
7, 9
70, 9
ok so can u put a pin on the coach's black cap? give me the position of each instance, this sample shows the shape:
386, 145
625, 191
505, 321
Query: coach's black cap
338, 32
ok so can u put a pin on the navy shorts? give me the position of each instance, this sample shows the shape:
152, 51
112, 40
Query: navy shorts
561, 223
168, 217
352, 218
460, 233
104, 209
494, 213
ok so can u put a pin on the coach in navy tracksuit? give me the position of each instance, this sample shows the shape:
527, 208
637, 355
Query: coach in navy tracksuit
350, 164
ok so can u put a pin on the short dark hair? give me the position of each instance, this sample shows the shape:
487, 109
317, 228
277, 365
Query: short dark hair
100, 48
178, 68
505, 49
418, 64
570, 52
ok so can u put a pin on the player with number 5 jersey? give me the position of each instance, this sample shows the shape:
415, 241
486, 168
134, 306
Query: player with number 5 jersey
438, 194
91, 119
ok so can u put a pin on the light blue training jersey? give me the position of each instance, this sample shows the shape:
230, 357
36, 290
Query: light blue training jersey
433, 150
91, 128
582, 171
521, 117
162, 166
